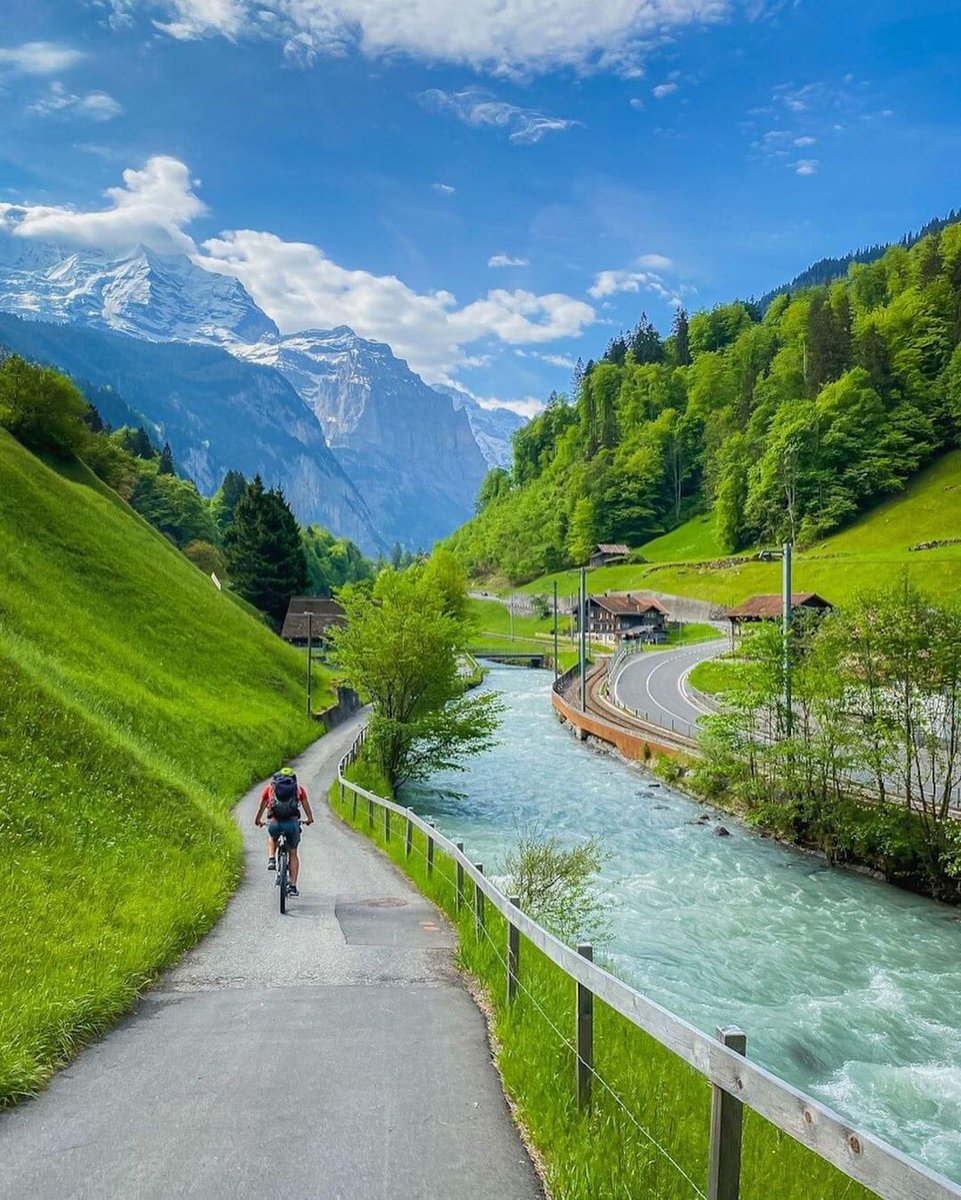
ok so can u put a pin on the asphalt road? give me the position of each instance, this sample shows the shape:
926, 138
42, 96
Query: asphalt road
655, 684
332, 1054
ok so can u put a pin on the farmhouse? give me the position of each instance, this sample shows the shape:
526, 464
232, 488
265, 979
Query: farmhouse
770, 608
609, 552
324, 614
637, 618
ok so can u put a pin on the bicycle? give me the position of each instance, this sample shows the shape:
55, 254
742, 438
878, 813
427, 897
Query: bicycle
283, 870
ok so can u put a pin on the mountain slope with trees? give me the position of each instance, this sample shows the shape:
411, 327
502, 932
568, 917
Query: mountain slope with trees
783, 425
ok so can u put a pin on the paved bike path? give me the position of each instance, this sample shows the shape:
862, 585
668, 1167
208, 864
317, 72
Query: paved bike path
332, 1054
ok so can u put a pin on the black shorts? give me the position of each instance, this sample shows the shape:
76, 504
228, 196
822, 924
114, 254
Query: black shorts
290, 827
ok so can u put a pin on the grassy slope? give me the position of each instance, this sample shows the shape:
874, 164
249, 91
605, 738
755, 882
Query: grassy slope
137, 703
871, 552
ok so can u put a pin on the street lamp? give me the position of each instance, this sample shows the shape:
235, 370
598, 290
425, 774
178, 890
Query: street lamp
786, 555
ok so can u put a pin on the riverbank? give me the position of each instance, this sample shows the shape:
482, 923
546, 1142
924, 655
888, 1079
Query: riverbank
847, 987
645, 1130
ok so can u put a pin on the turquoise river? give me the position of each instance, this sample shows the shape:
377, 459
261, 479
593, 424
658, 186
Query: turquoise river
846, 987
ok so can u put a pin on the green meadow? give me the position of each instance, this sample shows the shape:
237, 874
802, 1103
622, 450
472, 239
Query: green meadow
138, 703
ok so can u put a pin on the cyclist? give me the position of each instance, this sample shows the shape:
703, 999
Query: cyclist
282, 799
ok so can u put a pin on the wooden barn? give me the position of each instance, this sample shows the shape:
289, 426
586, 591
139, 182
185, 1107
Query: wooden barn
770, 608
324, 614
609, 552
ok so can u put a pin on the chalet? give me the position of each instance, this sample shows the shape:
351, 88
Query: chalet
634, 618
609, 552
771, 608
324, 614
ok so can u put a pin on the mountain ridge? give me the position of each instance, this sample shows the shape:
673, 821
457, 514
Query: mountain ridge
419, 456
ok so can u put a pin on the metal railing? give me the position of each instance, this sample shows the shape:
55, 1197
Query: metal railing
736, 1081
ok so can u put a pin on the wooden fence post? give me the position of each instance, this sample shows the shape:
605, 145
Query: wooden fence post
585, 1034
478, 903
460, 878
430, 850
386, 824
727, 1116
513, 954
410, 835
370, 811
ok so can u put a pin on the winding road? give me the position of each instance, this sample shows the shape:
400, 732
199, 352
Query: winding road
333, 1054
655, 684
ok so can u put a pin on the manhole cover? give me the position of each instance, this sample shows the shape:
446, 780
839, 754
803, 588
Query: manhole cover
385, 902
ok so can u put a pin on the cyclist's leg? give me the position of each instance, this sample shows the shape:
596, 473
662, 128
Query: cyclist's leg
293, 841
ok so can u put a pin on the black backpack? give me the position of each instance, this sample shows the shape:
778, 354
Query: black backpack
285, 798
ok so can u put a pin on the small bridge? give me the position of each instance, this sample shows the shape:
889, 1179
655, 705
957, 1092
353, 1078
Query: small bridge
527, 658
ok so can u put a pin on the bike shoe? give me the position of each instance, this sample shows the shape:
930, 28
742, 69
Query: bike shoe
292, 890
271, 864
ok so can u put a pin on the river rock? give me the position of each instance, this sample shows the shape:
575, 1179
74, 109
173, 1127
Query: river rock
722, 832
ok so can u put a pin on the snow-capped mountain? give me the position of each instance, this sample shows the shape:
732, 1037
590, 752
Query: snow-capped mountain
493, 428
161, 298
416, 455
410, 452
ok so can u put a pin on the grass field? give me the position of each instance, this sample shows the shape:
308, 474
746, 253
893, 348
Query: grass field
138, 703
872, 552
625, 1145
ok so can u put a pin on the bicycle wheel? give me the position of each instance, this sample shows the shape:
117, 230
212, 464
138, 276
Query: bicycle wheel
282, 868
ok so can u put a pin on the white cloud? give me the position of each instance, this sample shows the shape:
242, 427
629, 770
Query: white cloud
477, 108
611, 283
39, 58
664, 89
298, 285
555, 360
806, 140
658, 261
503, 36
152, 208
807, 166
96, 106
506, 260
199, 18
636, 102
445, 189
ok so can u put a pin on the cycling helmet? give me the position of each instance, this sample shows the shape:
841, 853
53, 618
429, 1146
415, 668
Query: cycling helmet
286, 771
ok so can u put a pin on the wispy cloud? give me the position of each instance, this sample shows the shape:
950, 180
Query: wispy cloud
806, 166
501, 37
93, 106
664, 89
445, 189
39, 58
506, 260
479, 108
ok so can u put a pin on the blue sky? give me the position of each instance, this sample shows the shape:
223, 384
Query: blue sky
492, 186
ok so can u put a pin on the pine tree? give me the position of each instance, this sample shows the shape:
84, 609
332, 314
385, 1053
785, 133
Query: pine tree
229, 495
682, 344
265, 555
167, 461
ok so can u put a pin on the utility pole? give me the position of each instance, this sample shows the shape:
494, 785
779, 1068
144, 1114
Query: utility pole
787, 590
583, 645
556, 668
310, 663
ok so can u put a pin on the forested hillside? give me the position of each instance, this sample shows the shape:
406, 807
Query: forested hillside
785, 424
